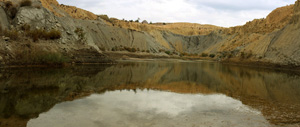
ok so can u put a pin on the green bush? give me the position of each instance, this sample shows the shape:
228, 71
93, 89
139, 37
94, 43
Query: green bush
168, 52
24, 3
212, 55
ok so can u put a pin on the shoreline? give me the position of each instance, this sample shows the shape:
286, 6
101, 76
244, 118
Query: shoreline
115, 57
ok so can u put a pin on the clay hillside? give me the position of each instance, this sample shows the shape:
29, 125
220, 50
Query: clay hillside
41, 27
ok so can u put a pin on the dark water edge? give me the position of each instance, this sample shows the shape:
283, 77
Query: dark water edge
25, 93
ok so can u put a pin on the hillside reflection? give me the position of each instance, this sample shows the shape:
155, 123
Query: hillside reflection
25, 93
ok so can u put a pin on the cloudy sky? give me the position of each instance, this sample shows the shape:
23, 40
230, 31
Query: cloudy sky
217, 12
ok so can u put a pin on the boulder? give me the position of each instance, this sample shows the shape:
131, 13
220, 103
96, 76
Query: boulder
6, 38
3, 19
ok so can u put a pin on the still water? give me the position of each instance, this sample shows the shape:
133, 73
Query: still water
149, 93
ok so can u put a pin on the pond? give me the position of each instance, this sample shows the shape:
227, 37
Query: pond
149, 93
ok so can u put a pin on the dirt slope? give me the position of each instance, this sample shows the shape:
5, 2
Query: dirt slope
273, 39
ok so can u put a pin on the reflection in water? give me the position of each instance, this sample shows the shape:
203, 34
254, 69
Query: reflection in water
26, 93
150, 108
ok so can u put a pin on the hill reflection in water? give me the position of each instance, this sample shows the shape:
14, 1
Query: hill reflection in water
25, 93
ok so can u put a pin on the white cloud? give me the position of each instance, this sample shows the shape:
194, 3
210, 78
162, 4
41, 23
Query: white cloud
216, 12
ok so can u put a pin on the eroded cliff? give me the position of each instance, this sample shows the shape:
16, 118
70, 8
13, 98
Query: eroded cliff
272, 40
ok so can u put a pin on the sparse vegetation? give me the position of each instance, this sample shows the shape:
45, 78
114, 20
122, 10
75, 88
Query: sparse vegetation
246, 55
37, 34
37, 56
106, 18
24, 3
12, 34
80, 33
204, 54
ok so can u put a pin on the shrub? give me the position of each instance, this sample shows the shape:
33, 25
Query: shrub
106, 18
161, 50
25, 27
80, 33
37, 34
204, 54
168, 52
38, 6
212, 55
133, 50
37, 56
13, 12
0, 28
24, 3
243, 55
8, 4
12, 34
53, 34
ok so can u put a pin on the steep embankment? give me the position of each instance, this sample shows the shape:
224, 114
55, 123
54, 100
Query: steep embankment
84, 35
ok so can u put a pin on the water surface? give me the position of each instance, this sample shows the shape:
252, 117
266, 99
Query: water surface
149, 93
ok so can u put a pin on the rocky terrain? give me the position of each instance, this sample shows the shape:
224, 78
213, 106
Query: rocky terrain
84, 36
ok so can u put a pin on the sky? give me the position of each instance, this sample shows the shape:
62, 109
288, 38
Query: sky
224, 13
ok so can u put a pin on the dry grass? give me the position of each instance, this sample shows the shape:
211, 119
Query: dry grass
36, 56
37, 34
12, 34
24, 3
